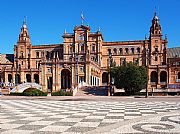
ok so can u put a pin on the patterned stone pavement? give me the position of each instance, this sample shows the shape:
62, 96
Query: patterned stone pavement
76, 117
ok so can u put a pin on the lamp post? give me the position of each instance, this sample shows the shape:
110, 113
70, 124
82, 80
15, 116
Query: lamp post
19, 66
147, 68
16, 60
109, 75
76, 59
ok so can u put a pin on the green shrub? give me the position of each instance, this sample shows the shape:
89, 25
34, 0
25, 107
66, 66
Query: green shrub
16, 94
33, 92
61, 93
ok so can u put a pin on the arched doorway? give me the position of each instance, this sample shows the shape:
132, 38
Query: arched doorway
36, 78
163, 76
154, 76
17, 79
28, 78
10, 78
65, 79
105, 78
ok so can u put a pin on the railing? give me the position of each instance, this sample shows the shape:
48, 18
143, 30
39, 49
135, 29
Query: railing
20, 88
153, 83
8, 84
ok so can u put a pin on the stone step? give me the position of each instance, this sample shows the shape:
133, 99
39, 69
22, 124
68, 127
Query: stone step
91, 91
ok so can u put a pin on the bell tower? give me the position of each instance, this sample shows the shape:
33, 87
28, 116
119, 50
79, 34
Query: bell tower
23, 48
156, 43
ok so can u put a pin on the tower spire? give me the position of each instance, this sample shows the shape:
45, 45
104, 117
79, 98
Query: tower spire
82, 18
155, 11
25, 20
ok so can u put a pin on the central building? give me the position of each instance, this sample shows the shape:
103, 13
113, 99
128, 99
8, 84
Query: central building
84, 58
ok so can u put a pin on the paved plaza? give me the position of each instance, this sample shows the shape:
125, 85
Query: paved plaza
46, 116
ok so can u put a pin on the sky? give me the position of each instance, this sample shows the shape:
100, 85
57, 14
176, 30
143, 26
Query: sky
119, 20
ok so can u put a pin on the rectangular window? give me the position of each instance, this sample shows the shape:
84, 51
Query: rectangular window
93, 48
156, 49
156, 58
82, 48
127, 50
70, 50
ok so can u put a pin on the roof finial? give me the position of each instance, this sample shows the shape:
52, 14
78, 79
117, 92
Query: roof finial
99, 29
155, 11
166, 37
146, 37
65, 31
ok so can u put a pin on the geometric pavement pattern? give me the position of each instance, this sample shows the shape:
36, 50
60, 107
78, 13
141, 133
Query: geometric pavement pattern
72, 117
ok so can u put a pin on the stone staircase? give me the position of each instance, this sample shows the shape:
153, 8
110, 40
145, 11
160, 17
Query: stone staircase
92, 91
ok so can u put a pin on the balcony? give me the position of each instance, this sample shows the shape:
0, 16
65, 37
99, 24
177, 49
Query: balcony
163, 83
178, 80
153, 83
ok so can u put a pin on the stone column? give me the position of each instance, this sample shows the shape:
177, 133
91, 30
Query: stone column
53, 78
32, 77
44, 78
13, 77
22, 76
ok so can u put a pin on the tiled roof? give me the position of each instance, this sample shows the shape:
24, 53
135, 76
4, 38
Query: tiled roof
6, 58
173, 52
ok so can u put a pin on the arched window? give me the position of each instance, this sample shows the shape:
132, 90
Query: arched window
37, 54
154, 76
138, 50
81, 37
120, 51
115, 51
132, 50
9, 78
109, 51
163, 76
93, 47
47, 55
82, 47
28, 78
127, 50
36, 78
22, 55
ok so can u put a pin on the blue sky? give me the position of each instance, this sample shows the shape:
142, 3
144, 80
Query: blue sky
119, 20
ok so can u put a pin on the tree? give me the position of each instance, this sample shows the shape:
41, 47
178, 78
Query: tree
131, 77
